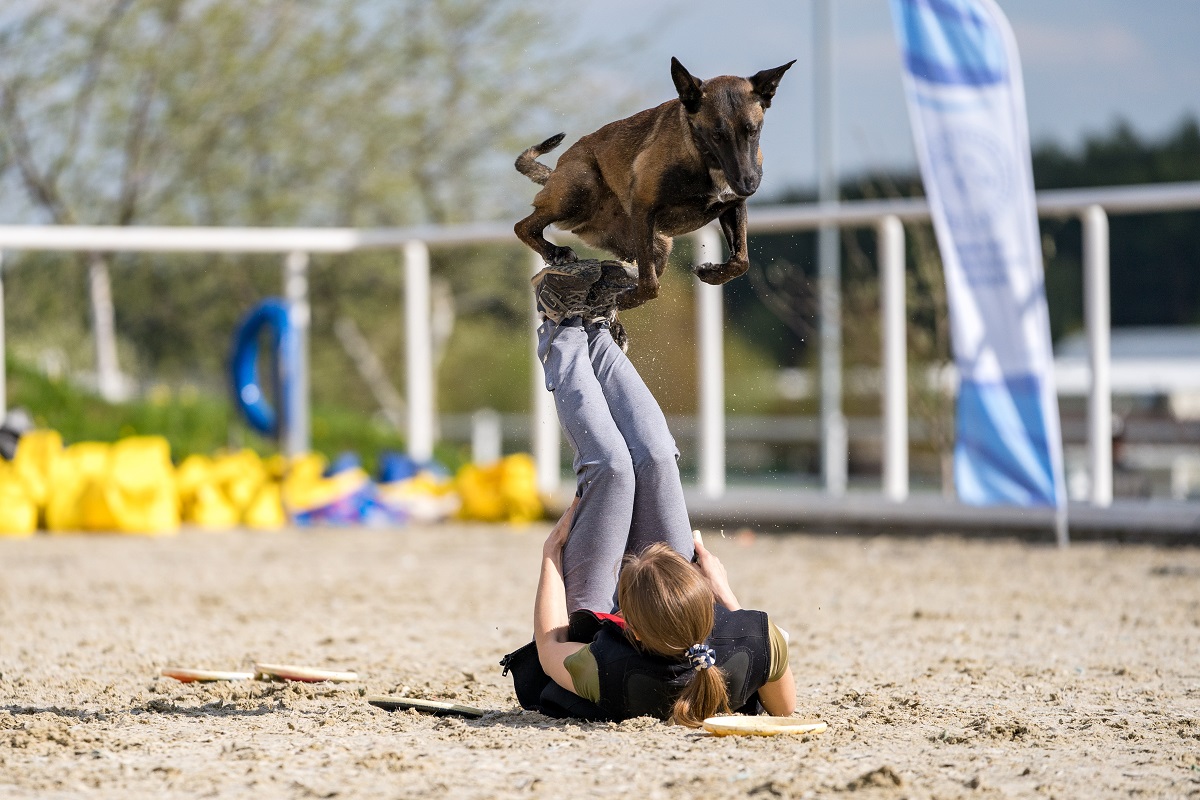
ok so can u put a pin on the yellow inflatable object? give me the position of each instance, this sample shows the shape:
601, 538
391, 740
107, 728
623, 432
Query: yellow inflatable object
232, 488
210, 509
37, 451
239, 474
479, 489
518, 484
139, 489
192, 473
72, 473
304, 492
18, 511
265, 512
276, 466
502, 492
308, 467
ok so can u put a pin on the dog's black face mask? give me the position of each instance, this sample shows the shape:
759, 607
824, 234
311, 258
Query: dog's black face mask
727, 133
726, 118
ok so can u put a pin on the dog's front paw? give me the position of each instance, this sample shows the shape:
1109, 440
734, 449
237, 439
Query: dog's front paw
560, 255
717, 274
713, 274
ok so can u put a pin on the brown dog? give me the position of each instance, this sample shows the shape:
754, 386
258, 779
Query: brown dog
635, 183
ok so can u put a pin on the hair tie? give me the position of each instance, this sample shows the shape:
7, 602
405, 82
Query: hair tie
702, 656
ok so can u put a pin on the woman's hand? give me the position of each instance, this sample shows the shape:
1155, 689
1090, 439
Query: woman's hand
559, 534
714, 572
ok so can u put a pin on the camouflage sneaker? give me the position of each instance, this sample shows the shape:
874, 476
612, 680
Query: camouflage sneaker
562, 292
616, 278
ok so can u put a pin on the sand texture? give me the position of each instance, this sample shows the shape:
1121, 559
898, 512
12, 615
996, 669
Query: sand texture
944, 667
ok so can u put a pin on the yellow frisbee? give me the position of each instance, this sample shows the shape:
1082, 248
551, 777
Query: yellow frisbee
738, 725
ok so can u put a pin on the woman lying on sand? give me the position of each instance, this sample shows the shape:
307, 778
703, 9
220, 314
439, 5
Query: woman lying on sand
682, 647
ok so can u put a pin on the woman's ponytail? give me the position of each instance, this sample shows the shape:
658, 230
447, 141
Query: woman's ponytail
704, 696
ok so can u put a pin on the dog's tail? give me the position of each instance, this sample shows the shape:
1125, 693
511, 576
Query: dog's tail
530, 167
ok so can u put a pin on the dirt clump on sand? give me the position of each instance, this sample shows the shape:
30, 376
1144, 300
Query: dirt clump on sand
944, 667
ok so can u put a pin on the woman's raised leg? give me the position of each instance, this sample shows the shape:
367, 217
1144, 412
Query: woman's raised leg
659, 511
603, 467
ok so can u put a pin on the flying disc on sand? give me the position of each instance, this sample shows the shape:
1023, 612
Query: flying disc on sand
437, 707
204, 675
290, 672
761, 726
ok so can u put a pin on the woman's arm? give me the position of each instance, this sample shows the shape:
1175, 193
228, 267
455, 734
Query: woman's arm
779, 696
714, 572
550, 617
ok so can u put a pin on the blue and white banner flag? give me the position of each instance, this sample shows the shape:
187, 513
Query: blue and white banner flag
966, 101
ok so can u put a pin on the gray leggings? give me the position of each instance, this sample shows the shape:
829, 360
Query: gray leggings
626, 462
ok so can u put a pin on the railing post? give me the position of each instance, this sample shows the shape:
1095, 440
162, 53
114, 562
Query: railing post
544, 432
895, 367
110, 383
710, 354
834, 445
297, 418
487, 437
3, 350
1098, 321
418, 342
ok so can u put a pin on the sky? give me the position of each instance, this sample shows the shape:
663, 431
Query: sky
1086, 63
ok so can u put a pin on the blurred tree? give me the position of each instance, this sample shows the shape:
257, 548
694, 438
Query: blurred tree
278, 112
1154, 257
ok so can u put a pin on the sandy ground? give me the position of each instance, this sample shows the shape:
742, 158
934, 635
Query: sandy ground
944, 667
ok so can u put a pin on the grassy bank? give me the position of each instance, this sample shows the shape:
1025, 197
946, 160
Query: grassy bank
193, 422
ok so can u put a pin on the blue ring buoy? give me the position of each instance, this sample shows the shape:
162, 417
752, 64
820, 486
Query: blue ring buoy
248, 396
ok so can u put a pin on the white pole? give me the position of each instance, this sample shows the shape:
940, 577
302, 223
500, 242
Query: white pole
710, 353
1097, 319
296, 434
109, 383
833, 422
3, 350
545, 434
895, 367
487, 437
418, 338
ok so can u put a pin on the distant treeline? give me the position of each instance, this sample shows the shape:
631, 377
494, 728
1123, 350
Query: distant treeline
1155, 257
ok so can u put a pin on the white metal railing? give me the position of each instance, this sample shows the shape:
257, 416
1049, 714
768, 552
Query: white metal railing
1091, 206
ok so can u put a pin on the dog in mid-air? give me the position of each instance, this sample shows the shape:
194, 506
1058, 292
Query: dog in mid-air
634, 184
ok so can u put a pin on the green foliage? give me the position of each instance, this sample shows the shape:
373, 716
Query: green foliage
1153, 257
488, 364
194, 422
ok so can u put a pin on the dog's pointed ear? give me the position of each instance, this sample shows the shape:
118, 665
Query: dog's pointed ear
689, 87
766, 82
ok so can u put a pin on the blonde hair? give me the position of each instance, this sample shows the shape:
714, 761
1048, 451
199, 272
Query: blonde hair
669, 606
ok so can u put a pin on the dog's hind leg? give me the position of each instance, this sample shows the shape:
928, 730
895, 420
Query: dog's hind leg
529, 231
